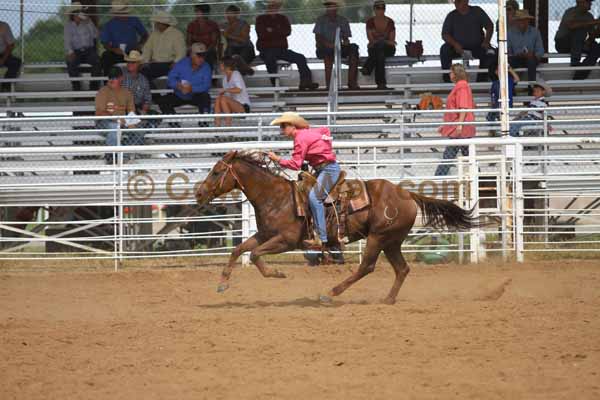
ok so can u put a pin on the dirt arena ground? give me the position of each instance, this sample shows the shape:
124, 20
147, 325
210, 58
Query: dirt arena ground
457, 332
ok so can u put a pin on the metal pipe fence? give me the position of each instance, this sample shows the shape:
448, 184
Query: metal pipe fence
536, 195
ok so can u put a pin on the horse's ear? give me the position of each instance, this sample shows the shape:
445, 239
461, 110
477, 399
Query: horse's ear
230, 155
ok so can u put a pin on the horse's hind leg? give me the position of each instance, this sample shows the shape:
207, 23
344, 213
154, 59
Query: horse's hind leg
247, 245
367, 266
394, 255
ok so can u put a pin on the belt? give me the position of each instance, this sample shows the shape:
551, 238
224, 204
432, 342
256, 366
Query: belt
322, 165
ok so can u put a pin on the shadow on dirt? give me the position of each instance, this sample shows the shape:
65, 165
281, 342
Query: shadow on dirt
301, 302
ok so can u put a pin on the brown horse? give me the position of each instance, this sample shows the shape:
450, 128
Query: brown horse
385, 224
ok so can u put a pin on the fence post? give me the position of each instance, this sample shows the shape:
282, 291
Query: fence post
121, 215
519, 199
260, 128
474, 174
246, 215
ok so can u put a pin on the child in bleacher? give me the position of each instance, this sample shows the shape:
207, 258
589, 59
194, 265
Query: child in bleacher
540, 91
513, 79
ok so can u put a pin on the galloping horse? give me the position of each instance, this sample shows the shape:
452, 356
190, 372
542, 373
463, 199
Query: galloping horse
385, 224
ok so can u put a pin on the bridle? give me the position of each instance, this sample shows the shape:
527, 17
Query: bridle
233, 173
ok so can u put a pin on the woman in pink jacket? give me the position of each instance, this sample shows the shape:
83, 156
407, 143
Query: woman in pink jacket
315, 146
460, 98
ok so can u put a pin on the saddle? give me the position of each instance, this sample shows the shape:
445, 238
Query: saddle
345, 198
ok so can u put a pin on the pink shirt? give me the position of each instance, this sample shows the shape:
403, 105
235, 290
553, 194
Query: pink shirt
313, 145
459, 97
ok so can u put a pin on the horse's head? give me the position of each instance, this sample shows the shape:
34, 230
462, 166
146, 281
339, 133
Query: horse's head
221, 179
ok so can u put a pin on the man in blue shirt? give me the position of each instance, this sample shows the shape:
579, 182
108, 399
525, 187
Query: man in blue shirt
120, 35
190, 79
525, 46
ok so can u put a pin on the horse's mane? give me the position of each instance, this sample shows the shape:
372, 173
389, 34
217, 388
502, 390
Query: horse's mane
261, 159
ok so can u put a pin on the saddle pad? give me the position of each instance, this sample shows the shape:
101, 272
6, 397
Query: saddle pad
359, 199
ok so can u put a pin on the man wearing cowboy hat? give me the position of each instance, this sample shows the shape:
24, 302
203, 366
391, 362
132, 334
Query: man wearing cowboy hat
272, 30
80, 45
137, 83
190, 80
324, 31
120, 35
12, 63
525, 46
577, 34
164, 47
315, 146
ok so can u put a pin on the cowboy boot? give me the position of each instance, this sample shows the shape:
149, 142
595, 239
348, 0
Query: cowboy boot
313, 244
353, 74
308, 85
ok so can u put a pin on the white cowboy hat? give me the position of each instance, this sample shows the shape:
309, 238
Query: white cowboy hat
163, 17
119, 7
522, 14
291, 118
199, 48
133, 56
547, 89
74, 7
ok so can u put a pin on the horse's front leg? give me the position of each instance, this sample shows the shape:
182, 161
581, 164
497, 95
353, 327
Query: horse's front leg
275, 245
247, 245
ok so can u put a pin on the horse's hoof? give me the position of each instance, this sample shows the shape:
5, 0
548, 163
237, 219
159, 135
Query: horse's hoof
325, 299
389, 301
279, 274
222, 287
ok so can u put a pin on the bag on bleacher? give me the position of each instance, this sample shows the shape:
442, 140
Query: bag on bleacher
414, 49
430, 102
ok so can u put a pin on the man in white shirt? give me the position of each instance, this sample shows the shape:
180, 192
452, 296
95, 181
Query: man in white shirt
80, 45
164, 47
12, 63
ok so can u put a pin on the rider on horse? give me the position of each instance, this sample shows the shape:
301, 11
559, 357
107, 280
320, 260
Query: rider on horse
315, 146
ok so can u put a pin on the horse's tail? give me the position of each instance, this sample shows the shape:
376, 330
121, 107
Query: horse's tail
440, 214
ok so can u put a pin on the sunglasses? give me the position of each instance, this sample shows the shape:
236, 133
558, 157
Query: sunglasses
379, 7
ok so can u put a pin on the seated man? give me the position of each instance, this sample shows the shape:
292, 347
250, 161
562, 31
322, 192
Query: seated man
576, 35
137, 83
272, 30
80, 45
190, 80
12, 63
206, 31
463, 30
164, 47
113, 99
324, 31
525, 46
120, 35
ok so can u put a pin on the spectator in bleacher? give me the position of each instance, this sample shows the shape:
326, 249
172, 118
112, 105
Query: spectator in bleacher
381, 32
525, 46
233, 97
121, 34
137, 83
513, 79
206, 31
164, 47
540, 91
190, 80
237, 33
113, 99
324, 31
468, 28
80, 45
272, 29
460, 98
576, 35
7, 60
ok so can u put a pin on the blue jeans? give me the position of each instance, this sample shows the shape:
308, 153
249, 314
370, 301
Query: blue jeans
450, 153
327, 177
